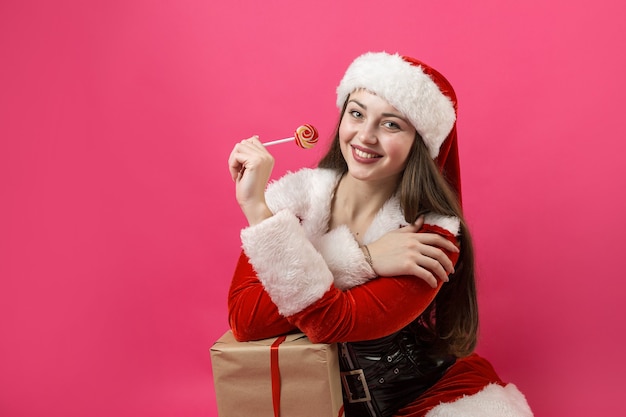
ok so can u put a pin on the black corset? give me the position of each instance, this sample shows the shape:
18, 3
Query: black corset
396, 370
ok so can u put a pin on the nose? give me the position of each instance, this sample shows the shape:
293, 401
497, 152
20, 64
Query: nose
368, 133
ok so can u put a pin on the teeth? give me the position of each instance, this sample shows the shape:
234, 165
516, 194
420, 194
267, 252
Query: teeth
362, 154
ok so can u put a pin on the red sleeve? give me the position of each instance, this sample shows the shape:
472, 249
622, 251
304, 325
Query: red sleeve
368, 311
251, 313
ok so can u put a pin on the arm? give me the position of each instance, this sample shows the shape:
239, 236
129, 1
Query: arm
250, 166
281, 286
374, 309
251, 313
368, 311
371, 310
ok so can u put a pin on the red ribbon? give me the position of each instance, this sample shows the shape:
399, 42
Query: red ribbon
275, 370
276, 374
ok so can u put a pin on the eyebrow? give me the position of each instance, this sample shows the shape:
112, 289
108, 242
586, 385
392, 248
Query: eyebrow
384, 114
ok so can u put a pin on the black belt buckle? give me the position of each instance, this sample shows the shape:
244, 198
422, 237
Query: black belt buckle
355, 386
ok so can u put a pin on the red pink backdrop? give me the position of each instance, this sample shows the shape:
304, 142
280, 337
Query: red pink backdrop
119, 229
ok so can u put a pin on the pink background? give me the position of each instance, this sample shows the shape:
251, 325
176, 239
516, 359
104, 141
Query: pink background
119, 229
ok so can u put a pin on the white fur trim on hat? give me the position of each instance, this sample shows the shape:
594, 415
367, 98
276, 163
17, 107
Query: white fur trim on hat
406, 87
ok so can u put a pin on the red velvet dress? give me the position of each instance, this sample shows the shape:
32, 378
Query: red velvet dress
252, 315
290, 288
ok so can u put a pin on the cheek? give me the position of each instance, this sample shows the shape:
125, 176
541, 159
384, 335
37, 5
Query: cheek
342, 132
344, 136
344, 128
399, 150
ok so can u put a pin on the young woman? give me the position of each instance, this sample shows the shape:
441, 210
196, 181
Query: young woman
370, 250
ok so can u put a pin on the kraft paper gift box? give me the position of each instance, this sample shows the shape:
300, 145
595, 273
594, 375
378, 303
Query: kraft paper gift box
310, 385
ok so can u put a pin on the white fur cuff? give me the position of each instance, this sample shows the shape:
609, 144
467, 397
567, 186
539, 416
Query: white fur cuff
450, 223
293, 273
345, 258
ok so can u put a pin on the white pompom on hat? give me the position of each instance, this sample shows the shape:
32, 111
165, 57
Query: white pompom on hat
404, 83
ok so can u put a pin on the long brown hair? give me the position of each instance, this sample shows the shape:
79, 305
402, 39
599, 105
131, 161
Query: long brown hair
450, 322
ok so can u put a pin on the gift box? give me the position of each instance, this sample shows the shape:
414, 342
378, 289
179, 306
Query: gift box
288, 374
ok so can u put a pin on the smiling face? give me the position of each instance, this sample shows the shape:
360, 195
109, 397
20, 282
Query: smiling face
375, 139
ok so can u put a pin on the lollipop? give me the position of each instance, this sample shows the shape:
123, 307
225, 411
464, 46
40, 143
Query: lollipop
305, 136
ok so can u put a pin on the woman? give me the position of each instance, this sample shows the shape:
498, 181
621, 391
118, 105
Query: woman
370, 250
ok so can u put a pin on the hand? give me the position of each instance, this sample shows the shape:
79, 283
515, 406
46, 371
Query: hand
405, 251
250, 166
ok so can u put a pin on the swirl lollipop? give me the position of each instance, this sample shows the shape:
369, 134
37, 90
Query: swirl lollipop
306, 137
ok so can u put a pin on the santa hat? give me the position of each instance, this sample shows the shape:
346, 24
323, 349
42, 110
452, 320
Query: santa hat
420, 93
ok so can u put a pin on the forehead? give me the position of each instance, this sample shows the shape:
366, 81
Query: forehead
375, 103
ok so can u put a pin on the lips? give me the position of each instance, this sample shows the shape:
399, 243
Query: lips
364, 155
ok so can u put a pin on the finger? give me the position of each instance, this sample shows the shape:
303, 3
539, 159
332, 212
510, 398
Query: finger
409, 228
434, 266
434, 239
426, 276
239, 159
254, 143
251, 139
235, 164
419, 222
247, 154
439, 257
256, 151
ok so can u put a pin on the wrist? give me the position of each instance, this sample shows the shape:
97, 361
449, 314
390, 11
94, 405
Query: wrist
257, 213
368, 256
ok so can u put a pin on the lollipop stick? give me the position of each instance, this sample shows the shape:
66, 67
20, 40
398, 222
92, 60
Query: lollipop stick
274, 142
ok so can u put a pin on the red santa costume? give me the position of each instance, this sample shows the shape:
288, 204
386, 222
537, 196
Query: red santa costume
294, 274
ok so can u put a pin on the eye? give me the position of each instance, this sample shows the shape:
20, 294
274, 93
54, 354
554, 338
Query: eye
356, 114
391, 125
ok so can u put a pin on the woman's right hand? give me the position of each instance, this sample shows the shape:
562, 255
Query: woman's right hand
250, 166
406, 251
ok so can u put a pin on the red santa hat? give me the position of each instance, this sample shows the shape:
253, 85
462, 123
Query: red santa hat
420, 93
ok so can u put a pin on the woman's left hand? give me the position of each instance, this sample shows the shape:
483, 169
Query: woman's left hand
407, 251
250, 166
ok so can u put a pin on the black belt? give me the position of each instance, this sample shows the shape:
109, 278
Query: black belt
381, 376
